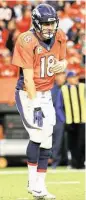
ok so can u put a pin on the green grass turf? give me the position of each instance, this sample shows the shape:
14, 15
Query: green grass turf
60, 183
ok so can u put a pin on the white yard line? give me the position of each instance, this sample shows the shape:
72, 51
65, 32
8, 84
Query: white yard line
63, 182
49, 182
55, 171
6, 172
12, 172
24, 198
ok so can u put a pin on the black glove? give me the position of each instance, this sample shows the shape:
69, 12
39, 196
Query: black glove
38, 116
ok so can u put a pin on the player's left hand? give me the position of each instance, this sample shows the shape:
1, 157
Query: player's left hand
59, 66
38, 116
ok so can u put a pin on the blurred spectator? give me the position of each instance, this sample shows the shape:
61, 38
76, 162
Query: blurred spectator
11, 3
83, 46
79, 69
3, 34
58, 5
74, 59
6, 13
59, 138
25, 23
65, 22
8, 70
4, 51
18, 8
11, 29
71, 109
74, 31
79, 10
72, 55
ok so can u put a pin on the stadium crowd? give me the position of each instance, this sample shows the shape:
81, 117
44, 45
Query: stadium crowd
15, 18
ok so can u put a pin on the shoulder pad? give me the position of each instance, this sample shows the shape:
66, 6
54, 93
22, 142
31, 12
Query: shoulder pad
25, 38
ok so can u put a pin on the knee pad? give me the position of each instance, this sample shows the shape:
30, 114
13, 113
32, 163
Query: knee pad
45, 153
32, 152
43, 159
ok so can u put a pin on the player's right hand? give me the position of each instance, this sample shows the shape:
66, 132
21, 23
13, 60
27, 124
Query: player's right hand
59, 66
38, 116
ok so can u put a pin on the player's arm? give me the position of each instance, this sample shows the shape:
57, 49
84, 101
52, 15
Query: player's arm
61, 65
34, 103
22, 57
29, 83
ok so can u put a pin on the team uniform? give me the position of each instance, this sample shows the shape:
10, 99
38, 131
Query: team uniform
37, 51
28, 46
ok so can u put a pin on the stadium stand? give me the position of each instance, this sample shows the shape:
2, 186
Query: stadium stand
15, 17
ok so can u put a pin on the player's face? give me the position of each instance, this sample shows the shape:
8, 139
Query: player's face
73, 80
48, 30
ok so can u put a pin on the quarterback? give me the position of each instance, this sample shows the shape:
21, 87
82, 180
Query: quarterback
40, 54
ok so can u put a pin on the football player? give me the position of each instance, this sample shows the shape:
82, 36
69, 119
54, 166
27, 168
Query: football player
40, 54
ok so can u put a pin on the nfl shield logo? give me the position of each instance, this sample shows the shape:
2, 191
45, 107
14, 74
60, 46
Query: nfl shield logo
39, 50
27, 38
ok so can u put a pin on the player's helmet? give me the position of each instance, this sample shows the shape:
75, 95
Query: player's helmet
45, 13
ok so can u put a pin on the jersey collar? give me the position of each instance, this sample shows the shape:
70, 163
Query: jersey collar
42, 43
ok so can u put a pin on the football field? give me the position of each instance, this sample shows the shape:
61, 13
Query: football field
65, 184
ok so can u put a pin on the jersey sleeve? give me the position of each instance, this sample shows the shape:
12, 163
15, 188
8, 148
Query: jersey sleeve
62, 39
23, 52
